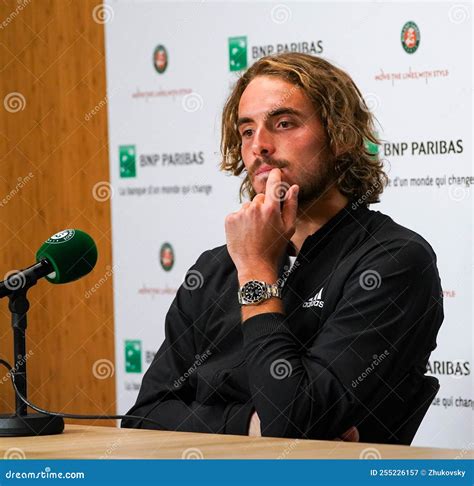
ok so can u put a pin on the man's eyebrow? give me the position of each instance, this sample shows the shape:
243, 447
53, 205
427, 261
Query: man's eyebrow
243, 120
271, 114
284, 111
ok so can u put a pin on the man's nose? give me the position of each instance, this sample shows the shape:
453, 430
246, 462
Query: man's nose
263, 144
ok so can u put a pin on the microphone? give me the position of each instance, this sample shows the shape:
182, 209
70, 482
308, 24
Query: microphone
64, 257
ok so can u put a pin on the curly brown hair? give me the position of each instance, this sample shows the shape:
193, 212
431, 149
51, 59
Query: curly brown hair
342, 110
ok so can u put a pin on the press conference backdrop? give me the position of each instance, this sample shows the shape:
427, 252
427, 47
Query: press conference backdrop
170, 67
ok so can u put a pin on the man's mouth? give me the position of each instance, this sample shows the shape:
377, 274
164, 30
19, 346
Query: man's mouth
264, 169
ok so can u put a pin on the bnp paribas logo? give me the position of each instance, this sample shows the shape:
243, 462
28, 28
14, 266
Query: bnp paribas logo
371, 147
410, 37
237, 53
133, 356
128, 161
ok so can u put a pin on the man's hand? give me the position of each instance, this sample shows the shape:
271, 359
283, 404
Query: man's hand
254, 427
350, 435
258, 234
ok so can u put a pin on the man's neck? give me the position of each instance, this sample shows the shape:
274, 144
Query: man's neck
312, 216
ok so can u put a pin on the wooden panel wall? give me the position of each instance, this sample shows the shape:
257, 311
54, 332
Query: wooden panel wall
53, 153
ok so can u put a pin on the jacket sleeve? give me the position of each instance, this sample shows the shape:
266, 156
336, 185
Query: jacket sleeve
171, 401
371, 347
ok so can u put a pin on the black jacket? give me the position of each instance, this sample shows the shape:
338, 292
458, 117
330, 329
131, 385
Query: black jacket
363, 305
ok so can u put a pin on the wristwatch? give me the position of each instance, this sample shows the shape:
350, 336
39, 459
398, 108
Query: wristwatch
255, 292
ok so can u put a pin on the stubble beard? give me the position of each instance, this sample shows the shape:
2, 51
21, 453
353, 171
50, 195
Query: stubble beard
310, 190
317, 188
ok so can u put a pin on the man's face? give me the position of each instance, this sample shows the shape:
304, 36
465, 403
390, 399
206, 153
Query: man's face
279, 127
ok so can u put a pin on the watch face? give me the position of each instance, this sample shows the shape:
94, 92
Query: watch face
253, 292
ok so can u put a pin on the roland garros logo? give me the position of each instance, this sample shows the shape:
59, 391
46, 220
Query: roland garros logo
61, 237
410, 37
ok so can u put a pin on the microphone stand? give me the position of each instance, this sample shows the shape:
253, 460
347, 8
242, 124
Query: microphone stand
21, 423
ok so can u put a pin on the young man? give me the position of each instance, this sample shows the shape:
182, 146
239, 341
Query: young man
334, 345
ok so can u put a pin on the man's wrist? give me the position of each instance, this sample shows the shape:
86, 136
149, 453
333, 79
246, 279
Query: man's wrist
263, 274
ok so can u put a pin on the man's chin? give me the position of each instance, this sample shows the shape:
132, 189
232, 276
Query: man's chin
259, 186
306, 199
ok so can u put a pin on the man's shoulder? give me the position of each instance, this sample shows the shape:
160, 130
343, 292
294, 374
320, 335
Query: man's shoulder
215, 261
215, 256
391, 236
214, 270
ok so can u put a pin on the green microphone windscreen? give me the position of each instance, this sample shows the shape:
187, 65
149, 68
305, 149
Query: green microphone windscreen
71, 252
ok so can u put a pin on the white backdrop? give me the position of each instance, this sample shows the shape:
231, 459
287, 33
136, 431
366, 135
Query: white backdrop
170, 200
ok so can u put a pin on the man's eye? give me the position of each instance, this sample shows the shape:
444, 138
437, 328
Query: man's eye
284, 124
247, 133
